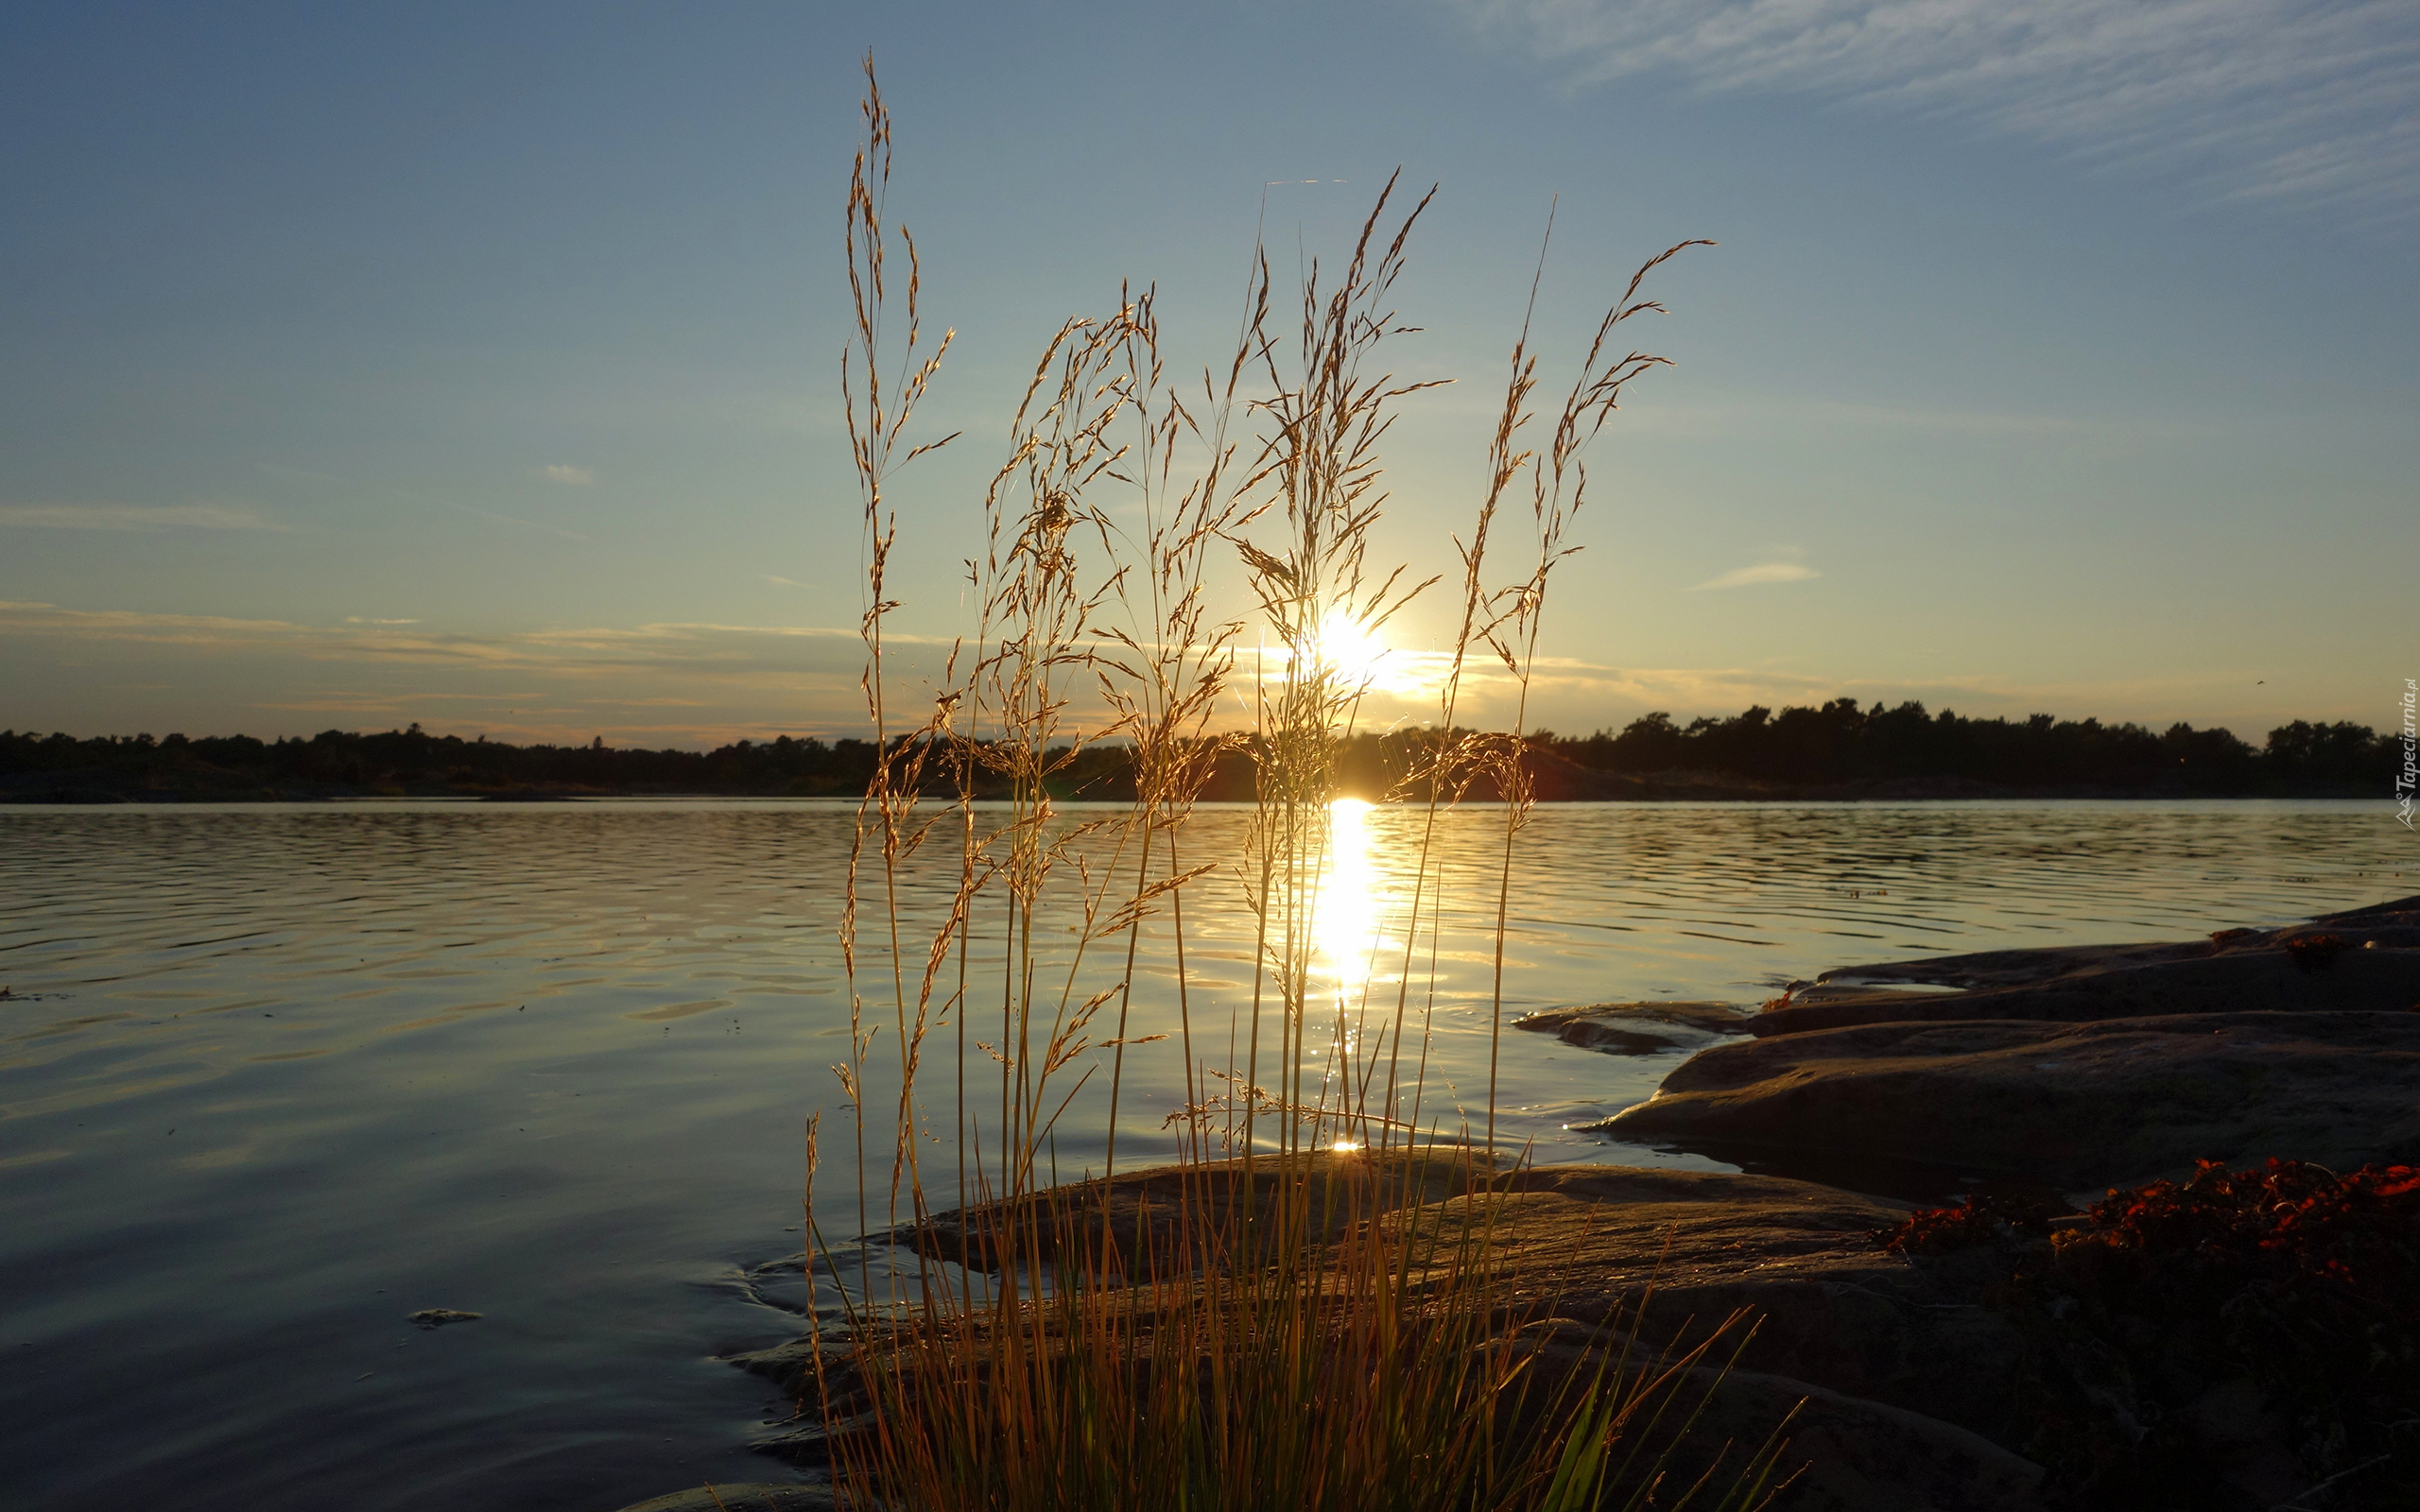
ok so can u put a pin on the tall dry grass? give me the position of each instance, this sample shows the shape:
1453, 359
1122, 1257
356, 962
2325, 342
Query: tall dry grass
1280, 1320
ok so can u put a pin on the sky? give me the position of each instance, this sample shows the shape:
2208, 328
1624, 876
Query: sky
477, 364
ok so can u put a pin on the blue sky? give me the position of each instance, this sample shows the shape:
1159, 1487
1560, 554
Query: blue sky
477, 365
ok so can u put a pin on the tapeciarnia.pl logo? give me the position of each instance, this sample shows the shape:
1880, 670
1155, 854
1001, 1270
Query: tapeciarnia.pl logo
2406, 779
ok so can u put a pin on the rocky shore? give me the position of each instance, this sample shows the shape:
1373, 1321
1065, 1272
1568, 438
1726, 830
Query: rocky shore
2072, 1068
2186, 1272
2108, 1305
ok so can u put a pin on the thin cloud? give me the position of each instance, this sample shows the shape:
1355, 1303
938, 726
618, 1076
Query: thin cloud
653, 684
707, 684
740, 652
367, 704
355, 619
135, 517
2308, 100
579, 477
778, 580
1767, 572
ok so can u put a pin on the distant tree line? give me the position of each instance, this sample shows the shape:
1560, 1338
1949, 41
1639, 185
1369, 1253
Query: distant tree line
1839, 743
407, 763
1833, 749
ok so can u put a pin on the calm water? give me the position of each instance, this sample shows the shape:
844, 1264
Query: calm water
273, 1078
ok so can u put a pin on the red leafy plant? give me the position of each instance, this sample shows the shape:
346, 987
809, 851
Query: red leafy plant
2285, 1283
2284, 1223
1979, 1218
2314, 952
2302, 1282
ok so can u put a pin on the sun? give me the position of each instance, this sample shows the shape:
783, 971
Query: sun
1346, 650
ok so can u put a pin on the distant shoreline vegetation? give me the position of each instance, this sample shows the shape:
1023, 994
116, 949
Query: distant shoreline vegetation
1833, 751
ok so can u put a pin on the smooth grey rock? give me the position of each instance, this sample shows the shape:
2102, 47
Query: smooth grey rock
2073, 1105
2223, 982
1854, 1454
1668, 1254
752, 1497
2366, 959
1640, 1028
1142, 1207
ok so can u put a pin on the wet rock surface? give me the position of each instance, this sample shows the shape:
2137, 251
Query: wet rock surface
1141, 1208
2071, 1105
2364, 960
1668, 1254
1888, 1378
752, 1497
2078, 1066
1640, 1028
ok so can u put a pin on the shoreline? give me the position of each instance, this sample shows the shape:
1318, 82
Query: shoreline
2034, 1347
1642, 791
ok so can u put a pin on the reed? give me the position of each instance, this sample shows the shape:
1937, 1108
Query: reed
1284, 1318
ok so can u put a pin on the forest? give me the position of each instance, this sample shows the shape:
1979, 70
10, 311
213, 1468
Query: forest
1836, 749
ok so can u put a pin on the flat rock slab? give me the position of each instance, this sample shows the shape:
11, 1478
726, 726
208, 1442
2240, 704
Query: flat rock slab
1640, 1028
2075, 1104
752, 1497
1669, 1254
1903, 1377
2261, 981
1854, 1454
2366, 959
1143, 1206
1900, 1382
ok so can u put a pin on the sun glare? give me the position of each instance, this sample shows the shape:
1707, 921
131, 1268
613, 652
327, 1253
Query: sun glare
1346, 648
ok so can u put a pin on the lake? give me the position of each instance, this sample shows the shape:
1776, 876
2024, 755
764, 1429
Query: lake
274, 1076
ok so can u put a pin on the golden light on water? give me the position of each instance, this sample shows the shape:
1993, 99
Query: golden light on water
1346, 919
1348, 937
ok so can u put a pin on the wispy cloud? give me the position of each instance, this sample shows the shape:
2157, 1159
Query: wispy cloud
136, 517
579, 477
355, 619
2302, 99
777, 580
679, 682
693, 647
705, 685
1764, 572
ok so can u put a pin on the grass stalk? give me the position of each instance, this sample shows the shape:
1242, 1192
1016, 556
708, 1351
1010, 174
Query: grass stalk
1284, 1318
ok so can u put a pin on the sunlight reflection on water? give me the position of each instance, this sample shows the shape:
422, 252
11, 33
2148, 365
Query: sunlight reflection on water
1349, 908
